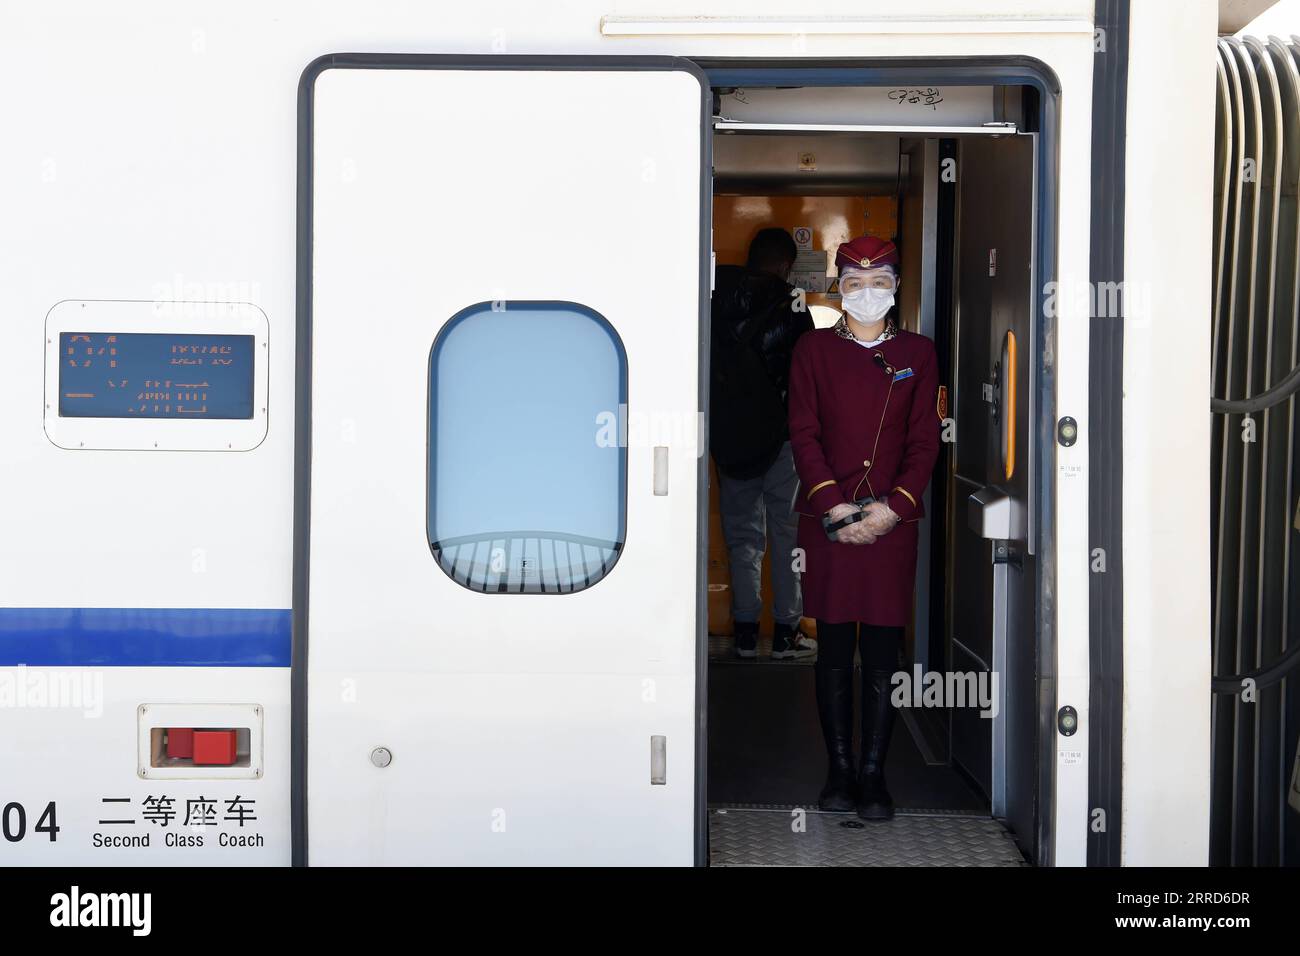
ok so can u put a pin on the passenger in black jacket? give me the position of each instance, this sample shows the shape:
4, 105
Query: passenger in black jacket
757, 316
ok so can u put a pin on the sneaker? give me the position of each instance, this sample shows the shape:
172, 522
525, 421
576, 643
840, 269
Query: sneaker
791, 644
746, 643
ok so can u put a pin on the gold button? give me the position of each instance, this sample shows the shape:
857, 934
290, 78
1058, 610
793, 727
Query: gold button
867, 463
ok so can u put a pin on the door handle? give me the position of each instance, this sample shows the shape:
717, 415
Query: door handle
659, 481
1008, 398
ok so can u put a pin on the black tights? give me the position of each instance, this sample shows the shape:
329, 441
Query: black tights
878, 646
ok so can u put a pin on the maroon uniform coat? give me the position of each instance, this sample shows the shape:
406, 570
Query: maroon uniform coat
861, 425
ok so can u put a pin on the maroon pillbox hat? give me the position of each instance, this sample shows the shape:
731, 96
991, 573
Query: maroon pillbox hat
865, 252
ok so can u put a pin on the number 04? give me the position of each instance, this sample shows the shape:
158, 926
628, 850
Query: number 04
13, 822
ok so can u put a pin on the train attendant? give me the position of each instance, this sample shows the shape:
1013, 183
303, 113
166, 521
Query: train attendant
865, 435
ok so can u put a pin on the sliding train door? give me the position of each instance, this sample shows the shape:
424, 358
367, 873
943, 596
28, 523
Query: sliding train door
994, 592
503, 268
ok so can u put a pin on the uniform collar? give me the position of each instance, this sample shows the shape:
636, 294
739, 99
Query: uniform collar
841, 328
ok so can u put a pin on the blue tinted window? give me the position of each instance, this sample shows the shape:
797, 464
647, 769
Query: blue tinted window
527, 459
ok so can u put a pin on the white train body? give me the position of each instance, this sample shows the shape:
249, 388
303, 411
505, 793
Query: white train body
147, 572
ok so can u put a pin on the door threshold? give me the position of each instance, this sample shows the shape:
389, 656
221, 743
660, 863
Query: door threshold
763, 835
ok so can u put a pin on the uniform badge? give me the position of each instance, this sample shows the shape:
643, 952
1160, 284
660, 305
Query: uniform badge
903, 373
941, 403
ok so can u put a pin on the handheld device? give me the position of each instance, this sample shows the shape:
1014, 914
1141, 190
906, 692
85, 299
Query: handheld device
830, 527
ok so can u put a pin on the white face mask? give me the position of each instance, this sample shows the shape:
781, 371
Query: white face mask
868, 305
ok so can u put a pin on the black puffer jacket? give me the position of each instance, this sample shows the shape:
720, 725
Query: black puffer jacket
748, 422
740, 296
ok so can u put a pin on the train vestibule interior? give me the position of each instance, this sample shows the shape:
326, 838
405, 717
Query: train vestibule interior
956, 192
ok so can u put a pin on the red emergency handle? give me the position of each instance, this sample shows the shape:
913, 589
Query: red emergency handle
180, 742
214, 747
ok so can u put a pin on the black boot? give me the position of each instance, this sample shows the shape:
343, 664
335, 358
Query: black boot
835, 709
874, 801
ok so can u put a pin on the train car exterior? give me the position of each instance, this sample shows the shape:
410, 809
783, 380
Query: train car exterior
329, 196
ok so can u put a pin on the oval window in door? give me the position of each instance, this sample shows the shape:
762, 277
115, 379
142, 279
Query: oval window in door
527, 471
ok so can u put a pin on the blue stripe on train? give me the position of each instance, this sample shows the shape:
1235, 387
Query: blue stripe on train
144, 637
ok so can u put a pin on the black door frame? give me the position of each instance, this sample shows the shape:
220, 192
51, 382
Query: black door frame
960, 71
1106, 426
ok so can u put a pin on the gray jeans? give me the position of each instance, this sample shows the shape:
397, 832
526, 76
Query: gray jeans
752, 509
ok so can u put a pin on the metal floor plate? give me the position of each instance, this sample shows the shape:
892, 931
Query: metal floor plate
743, 836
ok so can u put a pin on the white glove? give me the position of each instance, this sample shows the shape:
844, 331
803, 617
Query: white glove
856, 533
840, 511
880, 519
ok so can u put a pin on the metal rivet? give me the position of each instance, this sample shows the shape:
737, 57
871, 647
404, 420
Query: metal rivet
381, 756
